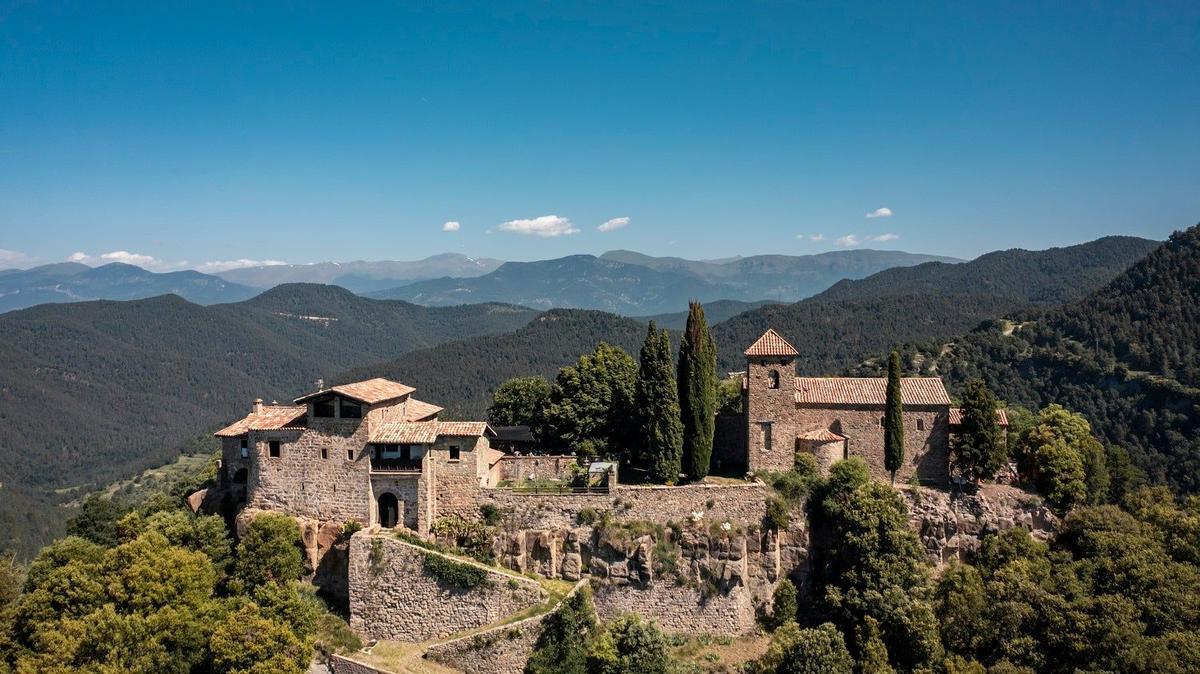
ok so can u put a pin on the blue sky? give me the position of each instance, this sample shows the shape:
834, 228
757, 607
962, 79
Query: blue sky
205, 133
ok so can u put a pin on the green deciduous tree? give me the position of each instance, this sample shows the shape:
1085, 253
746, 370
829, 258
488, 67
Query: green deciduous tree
1057, 450
521, 401
784, 604
978, 450
893, 419
592, 403
248, 643
630, 645
697, 374
660, 431
562, 647
805, 651
270, 551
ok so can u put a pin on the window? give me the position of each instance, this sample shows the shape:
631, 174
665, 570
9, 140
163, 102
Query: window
351, 409
773, 379
273, 448
324, 408
245, 448
766, 434
883, 422
455, 453
349, 454
324, 453
920, 424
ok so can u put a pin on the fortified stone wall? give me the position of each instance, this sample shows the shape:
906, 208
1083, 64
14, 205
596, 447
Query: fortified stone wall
500, 650
301, 481
539, 467
739, 503
455, 484
393, 596
344, 665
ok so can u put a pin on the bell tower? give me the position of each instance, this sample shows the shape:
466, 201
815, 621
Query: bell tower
770, 403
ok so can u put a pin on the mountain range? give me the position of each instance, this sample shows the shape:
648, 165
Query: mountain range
74, 282
361, 276
632, 284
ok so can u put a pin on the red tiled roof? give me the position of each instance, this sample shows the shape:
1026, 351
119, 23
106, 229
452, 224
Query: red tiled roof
868, 391
272, 417
370, 392
771, 344
426, 432
419, 410
956, 416
820, 435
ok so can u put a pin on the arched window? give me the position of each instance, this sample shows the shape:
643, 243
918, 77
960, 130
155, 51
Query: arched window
773, 379
389, 510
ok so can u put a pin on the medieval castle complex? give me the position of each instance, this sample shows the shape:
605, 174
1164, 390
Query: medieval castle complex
371, 453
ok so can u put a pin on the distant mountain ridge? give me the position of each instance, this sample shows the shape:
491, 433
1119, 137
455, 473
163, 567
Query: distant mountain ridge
364, 276
74, 282
633, 284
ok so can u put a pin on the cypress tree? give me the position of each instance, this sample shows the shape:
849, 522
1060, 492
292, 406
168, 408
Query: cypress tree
659, 424
893, 419
978, 452
697, 379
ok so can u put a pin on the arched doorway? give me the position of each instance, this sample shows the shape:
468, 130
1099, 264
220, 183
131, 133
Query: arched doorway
389, 510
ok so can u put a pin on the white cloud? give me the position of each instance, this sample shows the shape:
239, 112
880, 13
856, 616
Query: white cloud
615, 223
12, 258
451, 226
880, 213
886, 237
214, 266
848, 241
817, 237
545, 226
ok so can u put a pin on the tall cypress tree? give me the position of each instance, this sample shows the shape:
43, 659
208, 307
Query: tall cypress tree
661, 431
893, 419
697, 379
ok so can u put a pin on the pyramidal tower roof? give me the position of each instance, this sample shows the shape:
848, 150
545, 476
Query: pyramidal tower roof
772, 344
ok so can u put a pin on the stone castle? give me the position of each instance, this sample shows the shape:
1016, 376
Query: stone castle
371, 453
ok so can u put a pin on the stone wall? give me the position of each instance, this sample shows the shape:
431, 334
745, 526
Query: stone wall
344, 665
302, 482
951, 523
455, 484
926, 450
392, 596
406, 488
680, 608
500, 650
739, 503
518, 468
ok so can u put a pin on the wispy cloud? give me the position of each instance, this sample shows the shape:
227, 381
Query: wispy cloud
451, 226
848, 240
885, 237
817, 237
215, 266
615, 223
544, 226
880, 213
13, 258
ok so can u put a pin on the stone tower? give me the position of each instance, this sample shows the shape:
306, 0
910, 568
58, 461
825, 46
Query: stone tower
770, 403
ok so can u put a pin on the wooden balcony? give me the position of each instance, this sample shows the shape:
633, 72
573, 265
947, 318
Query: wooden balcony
395, 465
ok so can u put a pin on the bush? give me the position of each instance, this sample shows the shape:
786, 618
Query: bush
784, 604
492, 515
473, 538
270, 551
630, 645
455, 574
806, 465
778, 516
587, 515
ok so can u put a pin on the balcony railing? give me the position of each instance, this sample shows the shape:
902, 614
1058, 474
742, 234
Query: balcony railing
395, 465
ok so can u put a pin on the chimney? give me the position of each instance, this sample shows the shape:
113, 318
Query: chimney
257, 407
320, 384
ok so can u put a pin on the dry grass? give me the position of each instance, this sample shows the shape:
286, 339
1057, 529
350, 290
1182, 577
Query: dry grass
720, 654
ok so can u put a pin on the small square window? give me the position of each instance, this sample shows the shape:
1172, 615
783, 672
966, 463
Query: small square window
349, 454
920, 424
455, 453
273, 448
324, 453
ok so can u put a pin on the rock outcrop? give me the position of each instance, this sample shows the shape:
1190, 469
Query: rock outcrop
951, 524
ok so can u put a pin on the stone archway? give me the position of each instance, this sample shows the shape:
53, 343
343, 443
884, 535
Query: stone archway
389, 510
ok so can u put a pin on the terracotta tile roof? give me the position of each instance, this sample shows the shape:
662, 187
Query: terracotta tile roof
868, 391
820, 435
370, 392
419, 410
771, 344
956, 416
426, 432
405, 433
272, 417
469, 429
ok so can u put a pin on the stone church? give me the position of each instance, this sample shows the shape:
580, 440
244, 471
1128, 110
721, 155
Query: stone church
835, 418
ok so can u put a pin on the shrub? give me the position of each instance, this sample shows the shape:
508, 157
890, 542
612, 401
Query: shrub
453, 573
806, 465
587, 515
784, 604
473, 538
351, 527
492, 515
778, 516
270, 551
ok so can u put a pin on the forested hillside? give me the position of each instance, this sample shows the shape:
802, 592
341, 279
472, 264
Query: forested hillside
461, 375
95, 391
1127, 357
834, 329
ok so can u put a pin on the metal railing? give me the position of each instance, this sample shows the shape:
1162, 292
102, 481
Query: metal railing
541, 488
